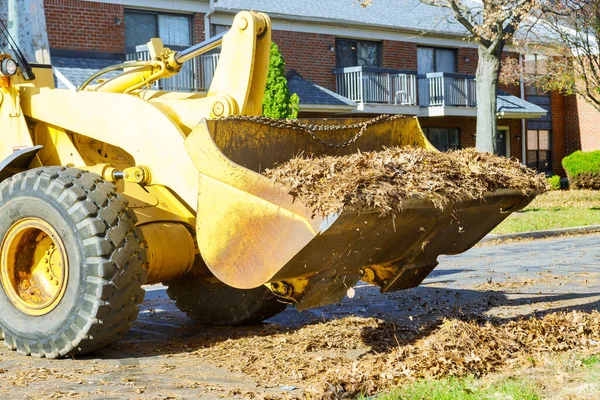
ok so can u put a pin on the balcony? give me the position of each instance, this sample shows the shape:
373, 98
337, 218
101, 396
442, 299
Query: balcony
444, 93
377, 88
397, 91
195, 75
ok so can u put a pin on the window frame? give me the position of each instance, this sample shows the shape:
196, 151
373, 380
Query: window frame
426, 132
435, 49
537, 150
218, 27
378, 44
189, 17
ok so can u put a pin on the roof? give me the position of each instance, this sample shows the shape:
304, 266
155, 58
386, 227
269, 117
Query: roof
509, 106
311, 94
75, 70
404, 14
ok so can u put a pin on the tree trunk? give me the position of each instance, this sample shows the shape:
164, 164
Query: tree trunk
488, 69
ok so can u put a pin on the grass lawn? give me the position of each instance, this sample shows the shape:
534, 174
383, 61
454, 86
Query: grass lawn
555, 209
463, 389
558, 377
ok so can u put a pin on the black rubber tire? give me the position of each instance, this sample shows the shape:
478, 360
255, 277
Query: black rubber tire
223, 305
105, 256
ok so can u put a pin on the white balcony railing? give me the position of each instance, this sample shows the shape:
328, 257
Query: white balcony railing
195, 75
389, 86
208, 66
447, 89
377, 85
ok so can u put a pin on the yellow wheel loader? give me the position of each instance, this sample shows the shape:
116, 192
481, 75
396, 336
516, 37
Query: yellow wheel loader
115, 185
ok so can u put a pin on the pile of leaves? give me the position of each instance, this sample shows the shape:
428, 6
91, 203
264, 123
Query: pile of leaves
387, 180
346, 357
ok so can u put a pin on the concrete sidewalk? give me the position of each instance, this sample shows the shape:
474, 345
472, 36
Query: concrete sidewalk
542, 234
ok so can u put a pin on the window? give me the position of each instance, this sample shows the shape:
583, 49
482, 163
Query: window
353, 53
536, 64
538, 150
532, 90
443, 139
215, 29
141, 26
435, 59
539, 132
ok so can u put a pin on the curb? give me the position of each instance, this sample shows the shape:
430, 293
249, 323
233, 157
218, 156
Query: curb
540, 234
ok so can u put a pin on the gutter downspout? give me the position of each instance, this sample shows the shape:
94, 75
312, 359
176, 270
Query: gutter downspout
523, 133
211, 11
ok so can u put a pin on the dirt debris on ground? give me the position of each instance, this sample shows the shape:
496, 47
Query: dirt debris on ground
387, 179
345, 357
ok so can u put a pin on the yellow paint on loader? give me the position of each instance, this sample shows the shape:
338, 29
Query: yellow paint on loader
34, 266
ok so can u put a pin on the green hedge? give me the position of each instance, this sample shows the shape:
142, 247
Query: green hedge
583, 170
554, 182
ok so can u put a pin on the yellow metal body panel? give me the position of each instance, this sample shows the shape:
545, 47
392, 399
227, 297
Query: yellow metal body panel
242, 73
153, 140
245, 221
58, 148
170, 251
15, 133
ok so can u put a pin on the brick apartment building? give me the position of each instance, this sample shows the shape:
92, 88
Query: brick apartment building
342, 60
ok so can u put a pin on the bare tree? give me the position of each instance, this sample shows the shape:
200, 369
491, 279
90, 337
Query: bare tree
573, 66
491, 24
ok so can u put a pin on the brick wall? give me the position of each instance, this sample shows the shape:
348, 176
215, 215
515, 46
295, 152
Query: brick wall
399, 55
582, 125
309, 54
84, 25
198, 26
572, 139
467, 67
559, 133
514, 125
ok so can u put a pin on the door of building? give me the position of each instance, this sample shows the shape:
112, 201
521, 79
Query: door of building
502, 141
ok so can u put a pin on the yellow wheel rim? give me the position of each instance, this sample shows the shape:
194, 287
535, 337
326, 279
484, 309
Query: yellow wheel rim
34, 266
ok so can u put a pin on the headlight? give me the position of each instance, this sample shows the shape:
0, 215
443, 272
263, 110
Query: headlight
8, 67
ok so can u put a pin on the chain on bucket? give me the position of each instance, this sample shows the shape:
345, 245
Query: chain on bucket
311, 129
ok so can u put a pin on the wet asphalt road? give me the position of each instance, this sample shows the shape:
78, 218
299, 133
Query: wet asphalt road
498, 280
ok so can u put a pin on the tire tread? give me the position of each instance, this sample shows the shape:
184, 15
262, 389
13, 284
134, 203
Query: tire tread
113, 259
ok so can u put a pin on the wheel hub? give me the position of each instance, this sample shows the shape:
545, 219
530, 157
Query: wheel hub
34, 266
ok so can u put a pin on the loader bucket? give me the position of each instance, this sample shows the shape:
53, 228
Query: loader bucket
251, 232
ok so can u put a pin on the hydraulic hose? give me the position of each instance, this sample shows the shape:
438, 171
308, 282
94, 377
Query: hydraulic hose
110, 69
